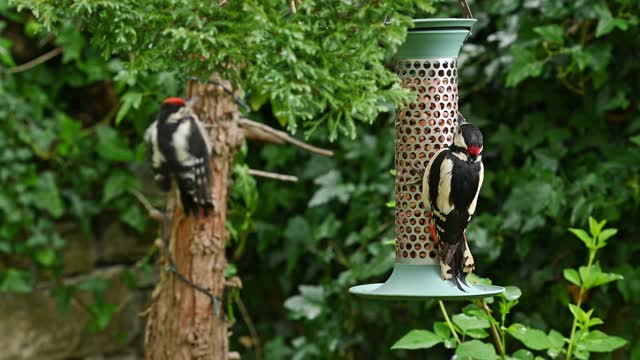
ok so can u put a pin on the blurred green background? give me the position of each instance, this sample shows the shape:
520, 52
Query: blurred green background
552, 84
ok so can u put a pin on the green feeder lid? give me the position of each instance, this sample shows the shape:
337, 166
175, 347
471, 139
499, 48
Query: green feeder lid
435, 38
419, 282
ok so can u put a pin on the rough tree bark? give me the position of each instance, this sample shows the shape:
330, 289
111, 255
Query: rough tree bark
181, 323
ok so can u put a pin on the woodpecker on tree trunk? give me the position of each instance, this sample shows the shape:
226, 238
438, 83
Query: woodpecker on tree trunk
450, 188
180, 152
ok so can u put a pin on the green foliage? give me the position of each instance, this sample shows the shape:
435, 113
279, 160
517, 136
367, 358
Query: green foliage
284, 58
553, 157
418, 339
578, 344
65, 167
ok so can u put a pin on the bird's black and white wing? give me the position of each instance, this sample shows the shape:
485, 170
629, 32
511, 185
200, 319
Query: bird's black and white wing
437, 184
194, 173
474, 202
161, 171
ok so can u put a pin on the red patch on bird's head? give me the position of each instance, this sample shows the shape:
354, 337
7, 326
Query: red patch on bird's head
174, 101
473, 150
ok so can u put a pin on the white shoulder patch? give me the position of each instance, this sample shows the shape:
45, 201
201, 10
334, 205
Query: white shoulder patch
425, 182
474, 202
461, 156
151, 137
151, 132
443, 202
180, 141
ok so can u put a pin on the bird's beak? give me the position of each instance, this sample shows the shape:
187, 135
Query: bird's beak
471, 158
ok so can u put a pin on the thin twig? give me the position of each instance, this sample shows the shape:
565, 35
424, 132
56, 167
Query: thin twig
222, 2
466, 10
272, 175
494, 330
292, 5
258, 131
154, 213
37, 61
252, 328
446, 317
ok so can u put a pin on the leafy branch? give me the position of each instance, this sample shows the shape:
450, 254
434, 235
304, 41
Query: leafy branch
478, 316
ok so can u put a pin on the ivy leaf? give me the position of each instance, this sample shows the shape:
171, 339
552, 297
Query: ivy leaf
572, 276
417, 339
308, 304
5, 54
130, 100
47, 196
117, 184
532, 338
597, 341
102, 315
332, 188
606, 22
135, 218
111, 146
95, 285
551, 33
15, 280
45, 256
476, 349
525, 65
581, 57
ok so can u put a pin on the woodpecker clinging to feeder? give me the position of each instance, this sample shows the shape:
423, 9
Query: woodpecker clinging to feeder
180, 151
450, 189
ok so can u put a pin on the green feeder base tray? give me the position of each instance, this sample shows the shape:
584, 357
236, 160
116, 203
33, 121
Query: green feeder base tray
419, 282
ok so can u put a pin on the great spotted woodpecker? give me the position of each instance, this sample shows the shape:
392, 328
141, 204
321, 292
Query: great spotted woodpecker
450, 188
180, 151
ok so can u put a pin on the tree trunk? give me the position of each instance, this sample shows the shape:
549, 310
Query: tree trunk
181, 323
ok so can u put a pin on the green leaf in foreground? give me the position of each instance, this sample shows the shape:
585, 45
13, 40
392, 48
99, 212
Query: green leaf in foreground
512, 293
466, 322
417, 339
532, 338
476, 349
572, 276
523, 354
552, 33
597, 341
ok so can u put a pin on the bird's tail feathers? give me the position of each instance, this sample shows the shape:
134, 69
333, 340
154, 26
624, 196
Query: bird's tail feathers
195, 194
456, 263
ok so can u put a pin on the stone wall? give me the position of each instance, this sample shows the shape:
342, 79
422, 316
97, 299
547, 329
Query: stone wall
33, 325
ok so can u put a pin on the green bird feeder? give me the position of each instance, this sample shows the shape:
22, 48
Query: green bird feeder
427, 65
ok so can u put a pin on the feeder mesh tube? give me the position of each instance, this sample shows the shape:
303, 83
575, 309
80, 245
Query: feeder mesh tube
423, 127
